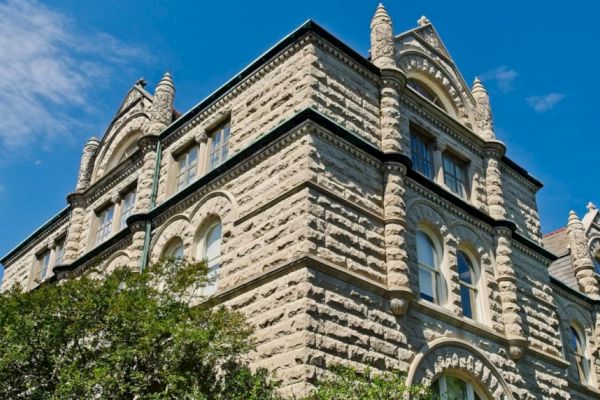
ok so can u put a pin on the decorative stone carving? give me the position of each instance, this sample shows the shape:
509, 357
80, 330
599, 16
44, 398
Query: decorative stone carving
392, 139
148, 145
493, 179
382, 39
86, 165
483, 111
161, 110
75, 229
507, 283
580, 254
395, 238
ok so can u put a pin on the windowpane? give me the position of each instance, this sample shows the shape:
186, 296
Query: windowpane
427, 261
175, 249
105, 224
596, 259
449, 387
425, 250
426, 92
467, 279
128, 204
219, 147
426, 284
212, 254
45, 260
577, 344
455, 175
421, 155
187, 165
60, 251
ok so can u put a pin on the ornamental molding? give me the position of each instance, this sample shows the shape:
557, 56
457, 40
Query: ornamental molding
225, 100
570, 296
453, 354
111, 180
106, 254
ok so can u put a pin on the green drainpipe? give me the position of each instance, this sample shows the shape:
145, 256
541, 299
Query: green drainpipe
144, 260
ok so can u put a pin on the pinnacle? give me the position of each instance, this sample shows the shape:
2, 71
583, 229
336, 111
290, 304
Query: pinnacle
591, 206
478, 86
573, 218
423, 21
381, 12
166, 80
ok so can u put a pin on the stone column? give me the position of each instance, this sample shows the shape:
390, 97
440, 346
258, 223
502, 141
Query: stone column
398, 273
507, 283
483, 111
583, 264
86, 166
493, 152
148, 145
74, 237
138, 229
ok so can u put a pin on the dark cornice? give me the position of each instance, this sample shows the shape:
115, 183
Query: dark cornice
29, 238
573, 292
307, 27
522, 171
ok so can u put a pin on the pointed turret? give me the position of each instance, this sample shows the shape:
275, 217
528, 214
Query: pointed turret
483, 111
382, 39
161, 111
583, 264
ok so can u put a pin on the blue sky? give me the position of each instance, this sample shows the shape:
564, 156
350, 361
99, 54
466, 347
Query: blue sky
67, 64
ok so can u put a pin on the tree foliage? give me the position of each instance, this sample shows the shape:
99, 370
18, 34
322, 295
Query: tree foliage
126, 336
346, 383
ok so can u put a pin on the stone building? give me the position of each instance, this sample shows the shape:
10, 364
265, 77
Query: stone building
357, 210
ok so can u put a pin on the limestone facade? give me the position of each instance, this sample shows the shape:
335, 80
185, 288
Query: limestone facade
323, 174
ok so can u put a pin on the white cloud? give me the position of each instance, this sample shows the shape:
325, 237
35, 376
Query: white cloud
49, 67
503, 77
38, 162
545, 102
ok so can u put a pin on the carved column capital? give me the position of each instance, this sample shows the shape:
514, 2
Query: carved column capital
148, 143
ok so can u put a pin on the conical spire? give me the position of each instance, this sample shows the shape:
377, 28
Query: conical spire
161, 111
483, 111
583, 264
382, 39
573, 219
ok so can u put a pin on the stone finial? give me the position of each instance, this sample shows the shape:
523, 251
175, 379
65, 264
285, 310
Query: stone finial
423, 21
581, 258
86, 165
382, 39
161, 110
591, 206
141, 82
483, 111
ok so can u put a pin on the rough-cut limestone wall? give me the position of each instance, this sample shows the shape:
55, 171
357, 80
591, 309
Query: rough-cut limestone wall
19, 271
538, 310
354, 326
278, 311
345, 96
521, 207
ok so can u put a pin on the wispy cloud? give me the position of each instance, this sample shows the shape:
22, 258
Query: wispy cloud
503, 77
37, 162
545, 102
49, 67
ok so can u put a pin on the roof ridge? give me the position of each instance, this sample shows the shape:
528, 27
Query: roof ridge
554, 232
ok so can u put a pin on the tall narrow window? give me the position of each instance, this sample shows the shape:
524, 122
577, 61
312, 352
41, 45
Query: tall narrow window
452, 388
578, 348
467, 277
105, 221
219, 147
187, 165
44, 262
127, 207
60, 251
421, 155
455, 175
429, 273
211, 252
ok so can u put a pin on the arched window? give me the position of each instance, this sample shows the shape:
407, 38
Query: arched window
211, 252
577, 344
596, 259
428, 261
426, 92
449, 387
468, 276
174, 249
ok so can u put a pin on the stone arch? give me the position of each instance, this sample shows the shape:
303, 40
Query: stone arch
113, 142
422, 212
420, 66
118, 259
177, 226
456, 355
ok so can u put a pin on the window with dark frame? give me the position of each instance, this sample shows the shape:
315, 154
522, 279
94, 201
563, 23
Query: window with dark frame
127, 207
455, 174
44, 263
421, 154
105, 221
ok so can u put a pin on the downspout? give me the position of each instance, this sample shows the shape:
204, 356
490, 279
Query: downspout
145, 251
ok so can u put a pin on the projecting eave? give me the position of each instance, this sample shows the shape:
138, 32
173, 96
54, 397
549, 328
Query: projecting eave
63, 213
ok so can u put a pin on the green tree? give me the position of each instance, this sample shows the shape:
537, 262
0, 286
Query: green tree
347, 383
126, 336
